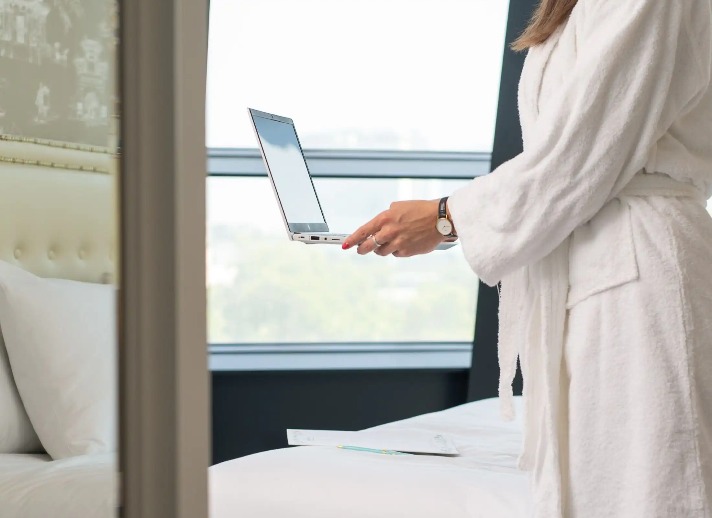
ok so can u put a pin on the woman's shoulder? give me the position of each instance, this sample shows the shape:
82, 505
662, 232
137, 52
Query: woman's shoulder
682, 24
693, 16
595, 7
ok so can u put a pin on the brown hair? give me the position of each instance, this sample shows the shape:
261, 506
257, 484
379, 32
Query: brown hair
546, 19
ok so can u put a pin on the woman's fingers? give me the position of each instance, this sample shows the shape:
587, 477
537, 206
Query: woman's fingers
386, 248
410, 223
361, 235
366, 247
376, 245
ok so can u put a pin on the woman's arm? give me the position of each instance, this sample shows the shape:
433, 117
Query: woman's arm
637, 71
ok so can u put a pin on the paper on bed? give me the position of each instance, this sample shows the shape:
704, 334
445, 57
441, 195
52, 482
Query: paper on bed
410, 441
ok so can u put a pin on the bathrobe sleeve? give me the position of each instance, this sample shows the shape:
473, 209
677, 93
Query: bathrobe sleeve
637, 71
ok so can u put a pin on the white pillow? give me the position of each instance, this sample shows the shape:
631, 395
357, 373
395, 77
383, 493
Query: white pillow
60, 338
16, 432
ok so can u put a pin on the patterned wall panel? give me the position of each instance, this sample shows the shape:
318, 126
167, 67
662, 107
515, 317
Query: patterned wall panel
57, 70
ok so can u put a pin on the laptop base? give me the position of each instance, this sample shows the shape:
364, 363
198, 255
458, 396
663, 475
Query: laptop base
313, 239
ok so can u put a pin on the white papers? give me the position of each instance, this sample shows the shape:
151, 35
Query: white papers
411, 441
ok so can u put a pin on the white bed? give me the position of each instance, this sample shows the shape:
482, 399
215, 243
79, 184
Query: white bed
34, 486
324, 482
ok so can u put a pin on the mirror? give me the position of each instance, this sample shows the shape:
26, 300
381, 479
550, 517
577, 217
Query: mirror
59, 253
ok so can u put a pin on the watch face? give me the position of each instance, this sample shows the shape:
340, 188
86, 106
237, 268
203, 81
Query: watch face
444, 226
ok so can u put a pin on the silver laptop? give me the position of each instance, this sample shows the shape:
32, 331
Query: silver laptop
292, 183
291, 180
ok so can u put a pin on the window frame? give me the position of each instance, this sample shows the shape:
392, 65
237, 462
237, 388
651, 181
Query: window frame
340, 163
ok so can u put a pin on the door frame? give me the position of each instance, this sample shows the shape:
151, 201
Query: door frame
163, 372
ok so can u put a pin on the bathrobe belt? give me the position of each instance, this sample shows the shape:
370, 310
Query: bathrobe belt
532, 316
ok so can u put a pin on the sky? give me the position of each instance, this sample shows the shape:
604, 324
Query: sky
358, 74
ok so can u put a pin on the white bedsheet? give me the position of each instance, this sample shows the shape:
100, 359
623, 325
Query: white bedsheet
34, 486
326, 482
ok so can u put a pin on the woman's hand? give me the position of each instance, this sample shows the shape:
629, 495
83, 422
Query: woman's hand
406, 229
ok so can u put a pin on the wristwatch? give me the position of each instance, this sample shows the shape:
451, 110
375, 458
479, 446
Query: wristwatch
444, 225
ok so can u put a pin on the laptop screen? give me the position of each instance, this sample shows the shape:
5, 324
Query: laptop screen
290, 175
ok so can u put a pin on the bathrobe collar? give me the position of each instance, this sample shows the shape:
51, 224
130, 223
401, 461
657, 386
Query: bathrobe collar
535, 65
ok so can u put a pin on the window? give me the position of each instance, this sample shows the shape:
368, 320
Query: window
392, 99
263, 288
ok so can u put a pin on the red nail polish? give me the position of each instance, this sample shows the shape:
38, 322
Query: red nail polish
345, 246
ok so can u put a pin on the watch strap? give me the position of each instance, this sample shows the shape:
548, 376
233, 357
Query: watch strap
442, 208
442, 213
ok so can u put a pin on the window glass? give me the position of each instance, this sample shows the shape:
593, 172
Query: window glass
264, 288
358, 74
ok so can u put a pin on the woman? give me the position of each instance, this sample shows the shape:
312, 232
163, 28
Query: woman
599, 235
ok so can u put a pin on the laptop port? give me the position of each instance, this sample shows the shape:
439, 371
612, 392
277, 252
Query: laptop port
315, 238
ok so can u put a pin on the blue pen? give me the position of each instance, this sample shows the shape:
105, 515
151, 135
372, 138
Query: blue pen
372, 450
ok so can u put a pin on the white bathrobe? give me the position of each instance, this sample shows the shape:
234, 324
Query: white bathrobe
599, 235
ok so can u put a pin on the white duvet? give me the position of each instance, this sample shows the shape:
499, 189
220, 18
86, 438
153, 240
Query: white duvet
326, 482
33, 486
309, 481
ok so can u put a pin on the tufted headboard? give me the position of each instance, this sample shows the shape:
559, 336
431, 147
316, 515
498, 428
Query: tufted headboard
58, 219
58, 209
